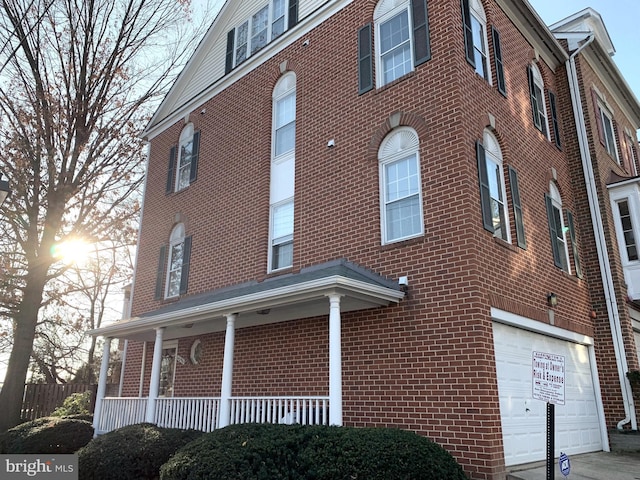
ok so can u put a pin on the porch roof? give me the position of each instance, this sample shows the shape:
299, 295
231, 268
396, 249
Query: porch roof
276, 299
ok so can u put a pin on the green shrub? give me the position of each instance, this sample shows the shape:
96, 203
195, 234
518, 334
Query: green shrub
135, 452
75, 404
47, 435
295, 452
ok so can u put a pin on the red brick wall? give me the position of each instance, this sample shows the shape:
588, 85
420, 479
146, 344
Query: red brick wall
427, 364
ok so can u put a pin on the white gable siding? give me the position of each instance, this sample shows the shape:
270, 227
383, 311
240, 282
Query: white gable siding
211, 67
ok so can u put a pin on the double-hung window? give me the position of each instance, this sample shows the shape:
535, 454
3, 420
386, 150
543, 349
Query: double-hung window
475, 29
173, 265
282, 174
557, 230
266, 24
168, 368
183, 160
626, 227
606, 128
538, 104
631, 152
492, 186
400, 186
401, 42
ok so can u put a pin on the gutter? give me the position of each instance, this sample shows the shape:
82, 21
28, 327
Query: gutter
601, 247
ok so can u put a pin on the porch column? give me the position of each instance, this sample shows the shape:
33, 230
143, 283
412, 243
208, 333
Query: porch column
335, 361
154, 383
227, 372
102, 384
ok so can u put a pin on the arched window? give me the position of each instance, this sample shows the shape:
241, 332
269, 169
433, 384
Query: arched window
475, 26
538, 105
496, 186
282, 173
186, 164
400, 186
393, 40
557, 229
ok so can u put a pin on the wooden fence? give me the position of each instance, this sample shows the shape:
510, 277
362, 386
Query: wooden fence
40, 399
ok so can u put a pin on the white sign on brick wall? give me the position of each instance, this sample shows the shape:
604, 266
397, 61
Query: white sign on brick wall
548, 377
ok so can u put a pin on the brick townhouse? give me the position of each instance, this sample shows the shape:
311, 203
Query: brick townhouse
379, 214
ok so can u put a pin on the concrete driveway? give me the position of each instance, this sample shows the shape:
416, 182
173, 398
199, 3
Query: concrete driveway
590, 466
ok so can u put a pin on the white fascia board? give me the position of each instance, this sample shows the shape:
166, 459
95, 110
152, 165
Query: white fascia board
330, 8
254, 301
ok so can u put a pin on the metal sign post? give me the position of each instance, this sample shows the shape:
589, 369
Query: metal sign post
548, 371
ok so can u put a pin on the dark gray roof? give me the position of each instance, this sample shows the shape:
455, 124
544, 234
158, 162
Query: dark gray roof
340, 267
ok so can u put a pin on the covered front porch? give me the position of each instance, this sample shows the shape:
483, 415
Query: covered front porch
326, 290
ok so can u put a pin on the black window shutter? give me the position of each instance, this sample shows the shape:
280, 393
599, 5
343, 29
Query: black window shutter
537, 121
497, 54
195, 153
617, 142
186, 259
553, 231
228, 66
554, 119
162, 264
293, 13
468, 33
172, 168
574, 244
517, 208
485, 193
365, 60
422, 47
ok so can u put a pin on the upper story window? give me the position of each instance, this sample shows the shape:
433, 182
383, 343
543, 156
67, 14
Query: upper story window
606, 126
475, 27
183, 160
538, 104
631, 152
557, 229
282, 180
402, 42
400, 186
492, 186
266, 24
174, 262
627, 230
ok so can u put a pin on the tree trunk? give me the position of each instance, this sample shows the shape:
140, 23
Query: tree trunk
25, 323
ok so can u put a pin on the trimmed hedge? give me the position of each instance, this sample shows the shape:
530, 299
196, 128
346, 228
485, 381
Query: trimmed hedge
135, 452
295, 452
47, 435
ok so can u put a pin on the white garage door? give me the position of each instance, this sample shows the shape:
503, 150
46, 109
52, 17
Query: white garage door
523, 418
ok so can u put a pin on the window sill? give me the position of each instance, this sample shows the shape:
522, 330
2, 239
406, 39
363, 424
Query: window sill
402, 243
505, 244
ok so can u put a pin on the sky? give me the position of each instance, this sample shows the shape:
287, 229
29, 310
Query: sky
620, 17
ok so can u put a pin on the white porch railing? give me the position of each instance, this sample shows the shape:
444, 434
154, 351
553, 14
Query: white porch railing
202, 413
287, 410
117, 412
188, 412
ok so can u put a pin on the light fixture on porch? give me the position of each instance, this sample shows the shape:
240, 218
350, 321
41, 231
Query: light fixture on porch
552, 299
264, 311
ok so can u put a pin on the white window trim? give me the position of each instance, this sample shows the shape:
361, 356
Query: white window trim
492, 149
477, 11
631, 150
186, 136
630, 194
249, 22
177, 237
605, 114
539, 83
556, 202
283, 240
385, 11
386, 157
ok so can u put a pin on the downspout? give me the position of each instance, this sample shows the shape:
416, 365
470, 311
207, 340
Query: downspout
601, 247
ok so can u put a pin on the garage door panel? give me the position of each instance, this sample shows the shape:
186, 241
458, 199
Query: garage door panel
523, 418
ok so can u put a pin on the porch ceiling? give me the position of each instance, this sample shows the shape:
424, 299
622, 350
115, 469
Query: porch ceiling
287, 297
